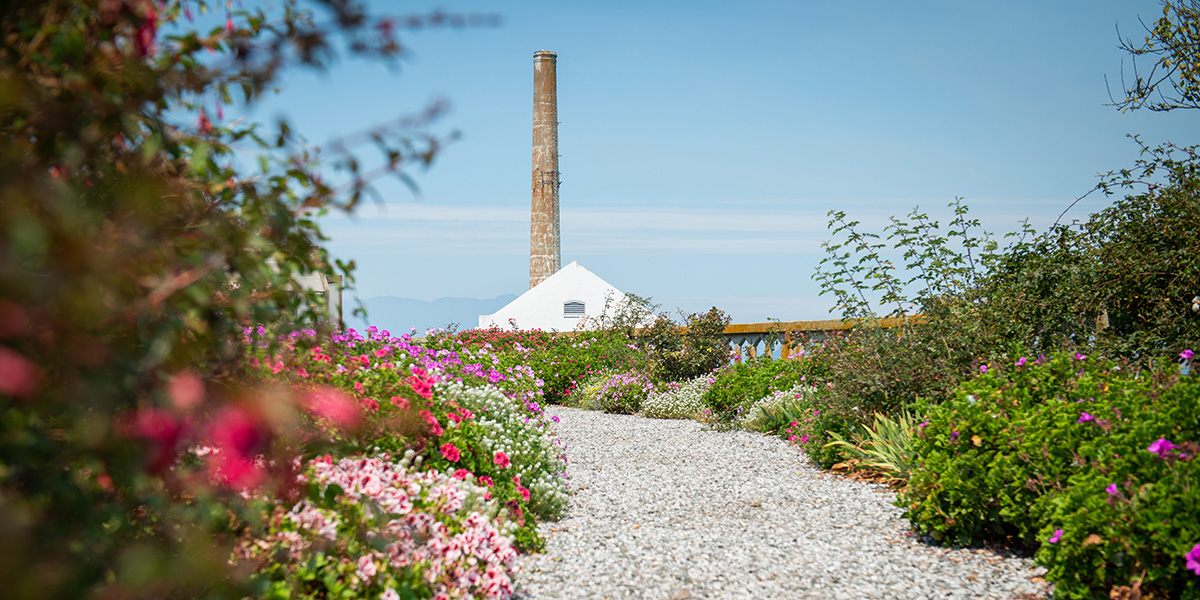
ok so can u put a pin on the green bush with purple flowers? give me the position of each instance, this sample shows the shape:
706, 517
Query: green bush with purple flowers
1131, 518
1054, 455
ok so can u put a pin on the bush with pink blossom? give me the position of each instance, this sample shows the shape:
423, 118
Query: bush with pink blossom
368, 528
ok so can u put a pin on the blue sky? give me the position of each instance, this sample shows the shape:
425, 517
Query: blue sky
703, 142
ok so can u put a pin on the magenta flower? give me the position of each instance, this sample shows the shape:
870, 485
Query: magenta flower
1058, 533
1112, 489
1193, 559
1079, 356
804, 439
1161, 447
451, 452
953, 435
554, 418
1084, 418
982, 369
1021, 362
1187, 354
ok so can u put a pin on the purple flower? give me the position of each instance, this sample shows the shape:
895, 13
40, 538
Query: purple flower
1084, 418
982, 369
953, 435
1079, 356
1058, 533
1021, 362
924, 424
1193, 559
1161, 447
1187, 354
1112, 489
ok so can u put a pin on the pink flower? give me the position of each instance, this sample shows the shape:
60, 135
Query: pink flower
18, 376
186, 390
435, 428
366, 568
1058, 533
1187, 355
358, 386
804, 439
332, 404
983, 369
237, 435
953, 435
1084, 418
1112, 489
501, 459
462, 474
1079, 356
390, 594
1161, 447
1021, 362
1193, 559
400, 402
485, 480
451, 452
521, 489
370, 404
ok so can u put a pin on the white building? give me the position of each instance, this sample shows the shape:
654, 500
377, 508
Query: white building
561, 302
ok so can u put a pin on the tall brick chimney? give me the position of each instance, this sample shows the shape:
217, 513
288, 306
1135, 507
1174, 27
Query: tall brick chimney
545, 254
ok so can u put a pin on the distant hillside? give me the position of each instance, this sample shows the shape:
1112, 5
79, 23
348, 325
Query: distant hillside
400, 315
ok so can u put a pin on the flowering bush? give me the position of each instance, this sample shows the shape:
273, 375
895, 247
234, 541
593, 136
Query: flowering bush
452, 409
623, 393
586, 394
991, 458
677, 400
366, 528
537, 463
1131, 518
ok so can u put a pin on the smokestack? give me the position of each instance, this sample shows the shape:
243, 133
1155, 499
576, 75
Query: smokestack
545, 255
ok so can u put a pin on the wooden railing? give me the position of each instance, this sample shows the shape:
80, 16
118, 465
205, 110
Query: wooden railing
744, 338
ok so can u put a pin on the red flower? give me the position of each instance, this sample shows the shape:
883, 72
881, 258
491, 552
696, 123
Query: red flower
451, 452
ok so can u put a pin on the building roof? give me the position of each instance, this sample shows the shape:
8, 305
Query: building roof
554, 304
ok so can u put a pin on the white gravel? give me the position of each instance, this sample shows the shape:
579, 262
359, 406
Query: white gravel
668, 510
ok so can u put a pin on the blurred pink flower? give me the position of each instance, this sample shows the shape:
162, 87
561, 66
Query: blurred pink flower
334, 405
501, 459
19, 377
1058, 533
186, 390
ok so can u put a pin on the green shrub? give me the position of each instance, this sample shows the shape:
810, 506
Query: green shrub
684, 353
739, 385
760, 414
1133, 515
1009, 439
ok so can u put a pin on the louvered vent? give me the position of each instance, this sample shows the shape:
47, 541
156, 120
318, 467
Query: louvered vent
572, 309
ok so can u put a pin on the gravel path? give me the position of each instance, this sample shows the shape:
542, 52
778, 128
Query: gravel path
669, 511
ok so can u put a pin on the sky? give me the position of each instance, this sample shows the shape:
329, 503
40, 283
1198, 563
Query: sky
703, 143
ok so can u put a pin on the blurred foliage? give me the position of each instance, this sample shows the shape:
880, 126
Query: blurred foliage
134, 250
